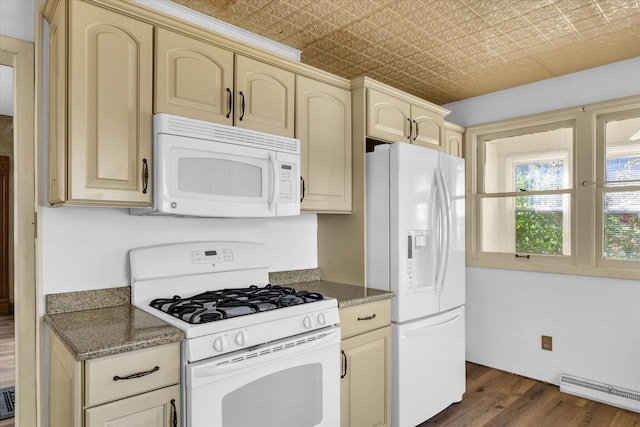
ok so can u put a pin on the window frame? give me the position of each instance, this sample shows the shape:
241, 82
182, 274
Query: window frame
586, 242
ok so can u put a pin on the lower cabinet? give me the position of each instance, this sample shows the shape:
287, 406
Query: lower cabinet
365, 386
137, 388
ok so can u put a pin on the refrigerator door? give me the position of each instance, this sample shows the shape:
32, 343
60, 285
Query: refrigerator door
412, 234
428, 367
451, 278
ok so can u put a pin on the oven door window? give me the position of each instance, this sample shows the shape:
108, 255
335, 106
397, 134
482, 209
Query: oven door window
300, 388
290, 383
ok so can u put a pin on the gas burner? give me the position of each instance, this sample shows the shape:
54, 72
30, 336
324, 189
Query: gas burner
211, 306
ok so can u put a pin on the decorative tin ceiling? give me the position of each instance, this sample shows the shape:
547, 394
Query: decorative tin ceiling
443, 50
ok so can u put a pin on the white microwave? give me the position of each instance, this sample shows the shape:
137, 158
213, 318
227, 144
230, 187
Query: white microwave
211, 170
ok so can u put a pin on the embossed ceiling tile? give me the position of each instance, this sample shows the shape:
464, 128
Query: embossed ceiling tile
566, 40
443, 6
553, 25
280, 8
542, 14
587, 11
591, 22
522, 34
376, 35
568, 5
615, 4
524, 6
516, 23
361, 8
299, 3
472, 25
302, 19
403, 7
398, 26
320, 8
341, 18
340, 36
462, 42
381, 17
623, 13
596, 32
321, 28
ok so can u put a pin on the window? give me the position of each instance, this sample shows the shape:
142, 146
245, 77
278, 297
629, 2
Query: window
557, 192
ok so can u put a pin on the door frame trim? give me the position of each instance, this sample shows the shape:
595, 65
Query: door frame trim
20, 55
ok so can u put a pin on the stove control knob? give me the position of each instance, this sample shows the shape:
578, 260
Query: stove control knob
307, 322
322, 319
220, 344
241, 338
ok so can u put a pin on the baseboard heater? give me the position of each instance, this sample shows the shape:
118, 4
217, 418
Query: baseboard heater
611, 395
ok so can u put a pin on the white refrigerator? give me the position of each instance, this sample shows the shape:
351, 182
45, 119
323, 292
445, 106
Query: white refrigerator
416, 248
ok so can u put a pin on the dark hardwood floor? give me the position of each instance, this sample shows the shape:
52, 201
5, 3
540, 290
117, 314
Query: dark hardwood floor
498, 398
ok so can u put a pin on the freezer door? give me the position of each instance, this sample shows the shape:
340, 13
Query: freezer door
412, 236
451, 277
428, 367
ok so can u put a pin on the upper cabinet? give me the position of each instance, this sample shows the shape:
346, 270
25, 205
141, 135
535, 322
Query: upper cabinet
324, 128
193, 78
196, 79
99, 107
453, 139
393, 117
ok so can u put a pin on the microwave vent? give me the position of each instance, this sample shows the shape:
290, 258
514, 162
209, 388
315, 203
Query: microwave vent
230, 135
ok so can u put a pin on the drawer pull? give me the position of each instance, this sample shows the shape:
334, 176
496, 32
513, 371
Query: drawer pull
138, 375
373, 316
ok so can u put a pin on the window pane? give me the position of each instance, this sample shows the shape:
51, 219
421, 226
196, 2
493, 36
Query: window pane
535, 161
621, 225
623, 150
527, 224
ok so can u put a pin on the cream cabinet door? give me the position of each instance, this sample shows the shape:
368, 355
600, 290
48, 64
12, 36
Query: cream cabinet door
57, 136
264, 98
323, 114
428, 127
156, 408
193, 78
110, 91
366, 383
388, 118
453, 142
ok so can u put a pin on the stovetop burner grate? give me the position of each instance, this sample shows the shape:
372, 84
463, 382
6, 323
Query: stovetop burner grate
211, 306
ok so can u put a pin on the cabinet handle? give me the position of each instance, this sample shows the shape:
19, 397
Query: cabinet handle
175, 413
373, 316
523, 256
138, 375
230, 102
410, 129
416, 137
145, 175
242, 112
302, 198
344, 364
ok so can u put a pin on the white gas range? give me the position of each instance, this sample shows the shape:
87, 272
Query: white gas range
247, 343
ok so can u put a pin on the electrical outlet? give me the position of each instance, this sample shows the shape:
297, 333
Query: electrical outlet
547, 343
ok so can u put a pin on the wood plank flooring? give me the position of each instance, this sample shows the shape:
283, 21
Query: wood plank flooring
7, 357
497, 398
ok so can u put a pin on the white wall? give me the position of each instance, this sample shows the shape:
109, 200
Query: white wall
594, 322
87, 248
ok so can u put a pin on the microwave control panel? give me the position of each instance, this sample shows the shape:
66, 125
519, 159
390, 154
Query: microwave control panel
288, 182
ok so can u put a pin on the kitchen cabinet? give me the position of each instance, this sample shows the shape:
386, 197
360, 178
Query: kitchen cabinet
129, 389
323, 123
365, 388
453, 139
195, 79
392, 118
99, 106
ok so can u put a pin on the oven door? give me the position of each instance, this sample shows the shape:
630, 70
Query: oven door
208, 178
289, 383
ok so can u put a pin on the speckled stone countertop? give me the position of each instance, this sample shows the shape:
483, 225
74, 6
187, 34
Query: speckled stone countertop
309, 280
102, 332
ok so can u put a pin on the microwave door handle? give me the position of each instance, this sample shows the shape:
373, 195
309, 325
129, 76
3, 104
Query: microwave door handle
276, 180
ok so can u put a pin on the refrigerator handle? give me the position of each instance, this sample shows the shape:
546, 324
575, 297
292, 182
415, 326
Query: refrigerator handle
444, 234
449, 224
432, 328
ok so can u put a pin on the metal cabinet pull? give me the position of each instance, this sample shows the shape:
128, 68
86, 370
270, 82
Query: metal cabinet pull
416, 137
145, 175
344, 364
302, 198
230, 102
523, 256
242, 112
138, 375
175, 413
410, 129
373, 316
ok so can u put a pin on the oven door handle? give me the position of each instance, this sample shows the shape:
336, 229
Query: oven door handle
230, 365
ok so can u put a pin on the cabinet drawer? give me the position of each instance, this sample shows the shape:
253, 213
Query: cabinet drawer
365, 317
102, 385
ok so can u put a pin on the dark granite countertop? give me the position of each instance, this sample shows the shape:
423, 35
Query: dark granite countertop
347, 295
102, 332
